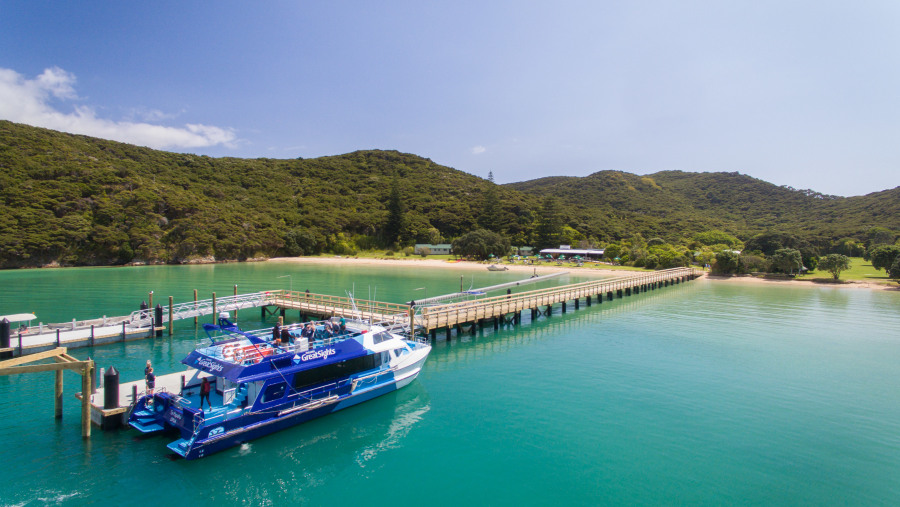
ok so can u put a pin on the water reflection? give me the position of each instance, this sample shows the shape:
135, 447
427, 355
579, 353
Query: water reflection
322, 452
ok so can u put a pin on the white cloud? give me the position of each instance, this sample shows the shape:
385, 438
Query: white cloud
478, 150
29, 101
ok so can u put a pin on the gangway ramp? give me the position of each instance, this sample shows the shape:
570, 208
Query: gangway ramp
192, 309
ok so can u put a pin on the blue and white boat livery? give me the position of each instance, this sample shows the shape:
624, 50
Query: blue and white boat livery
258, 386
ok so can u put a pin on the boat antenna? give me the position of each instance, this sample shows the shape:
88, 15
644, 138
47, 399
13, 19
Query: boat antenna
353, 304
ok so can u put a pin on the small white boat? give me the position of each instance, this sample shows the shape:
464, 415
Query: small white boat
494, 267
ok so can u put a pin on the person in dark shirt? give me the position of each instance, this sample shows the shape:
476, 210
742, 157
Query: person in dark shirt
286, 337
151, 380
205, 388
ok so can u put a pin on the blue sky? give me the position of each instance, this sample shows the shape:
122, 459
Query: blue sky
800, 93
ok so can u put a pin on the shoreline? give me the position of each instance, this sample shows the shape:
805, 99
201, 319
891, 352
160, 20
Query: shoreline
543, 269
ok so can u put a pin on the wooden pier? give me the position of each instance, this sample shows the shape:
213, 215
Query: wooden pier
421, 318
62, 361
509, 308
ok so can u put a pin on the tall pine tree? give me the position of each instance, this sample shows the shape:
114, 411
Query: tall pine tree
550, 224
491, 217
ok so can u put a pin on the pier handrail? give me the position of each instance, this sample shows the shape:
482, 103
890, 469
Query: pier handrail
343, 305
551, 295
190, 309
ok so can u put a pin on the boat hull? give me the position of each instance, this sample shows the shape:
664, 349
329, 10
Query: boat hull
201, 449
402, 376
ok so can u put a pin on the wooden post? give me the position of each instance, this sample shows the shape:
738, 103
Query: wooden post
150, 297
235, 308
92, 336
123, 331
412, 322
86, 373
58, 395
215, 315
170, 314
195, 308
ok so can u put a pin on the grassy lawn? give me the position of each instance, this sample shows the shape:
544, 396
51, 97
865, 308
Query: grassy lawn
860, 271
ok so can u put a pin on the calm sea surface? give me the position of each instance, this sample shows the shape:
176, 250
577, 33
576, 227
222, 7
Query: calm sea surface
701, 393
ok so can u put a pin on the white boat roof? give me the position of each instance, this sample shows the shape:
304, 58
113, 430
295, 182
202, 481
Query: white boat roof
18, 317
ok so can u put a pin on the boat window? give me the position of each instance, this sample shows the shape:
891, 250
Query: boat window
380, 337
274, 392
333, 371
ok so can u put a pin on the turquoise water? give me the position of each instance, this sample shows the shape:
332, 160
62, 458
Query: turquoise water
702, 393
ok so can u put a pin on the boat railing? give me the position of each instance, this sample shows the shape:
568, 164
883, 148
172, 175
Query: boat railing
199, 419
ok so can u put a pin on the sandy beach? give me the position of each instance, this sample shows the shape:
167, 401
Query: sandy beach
598, 272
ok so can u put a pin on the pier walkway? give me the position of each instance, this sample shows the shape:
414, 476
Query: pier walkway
508, 308
418, 318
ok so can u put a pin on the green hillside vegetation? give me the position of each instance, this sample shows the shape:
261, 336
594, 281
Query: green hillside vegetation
80, 200
676, 205
77, 200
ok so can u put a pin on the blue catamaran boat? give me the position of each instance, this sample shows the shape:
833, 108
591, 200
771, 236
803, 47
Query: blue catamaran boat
259, 386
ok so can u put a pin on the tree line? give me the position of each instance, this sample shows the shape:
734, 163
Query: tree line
76, 200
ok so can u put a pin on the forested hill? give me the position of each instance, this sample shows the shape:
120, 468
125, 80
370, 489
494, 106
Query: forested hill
76, 200
80, 200
742, 205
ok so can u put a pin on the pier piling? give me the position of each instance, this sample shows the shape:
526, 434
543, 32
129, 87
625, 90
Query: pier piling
4, 339
111, 388
158, 321
58, 395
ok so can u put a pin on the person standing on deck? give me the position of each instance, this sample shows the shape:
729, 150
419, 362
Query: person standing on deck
204, 393
151, 379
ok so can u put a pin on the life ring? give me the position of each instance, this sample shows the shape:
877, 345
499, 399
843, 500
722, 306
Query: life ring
228, 351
